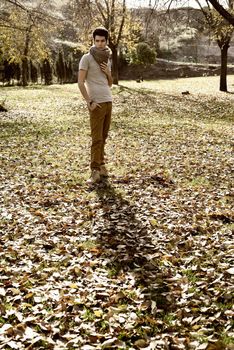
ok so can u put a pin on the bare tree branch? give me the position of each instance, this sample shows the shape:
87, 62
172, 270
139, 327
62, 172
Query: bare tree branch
221, 10
122, 22
12, 27
16, 3
205, 13
101, 10
107, 8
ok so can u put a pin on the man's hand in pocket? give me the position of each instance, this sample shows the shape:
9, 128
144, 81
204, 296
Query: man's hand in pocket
93, 106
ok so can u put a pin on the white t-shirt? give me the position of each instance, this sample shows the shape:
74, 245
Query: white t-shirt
96, 81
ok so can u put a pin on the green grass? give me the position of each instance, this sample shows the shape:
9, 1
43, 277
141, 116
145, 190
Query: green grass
86, 245
191, 275
227, 339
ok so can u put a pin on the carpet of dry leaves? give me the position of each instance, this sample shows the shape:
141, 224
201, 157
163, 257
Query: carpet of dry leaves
142, 261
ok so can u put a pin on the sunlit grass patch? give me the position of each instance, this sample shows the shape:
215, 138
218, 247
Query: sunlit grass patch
88, 245
199, 181
200, 85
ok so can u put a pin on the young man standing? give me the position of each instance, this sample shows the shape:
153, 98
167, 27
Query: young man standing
94, 81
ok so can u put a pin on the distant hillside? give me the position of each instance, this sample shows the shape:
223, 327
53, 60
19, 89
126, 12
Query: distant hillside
168, 69
181, 36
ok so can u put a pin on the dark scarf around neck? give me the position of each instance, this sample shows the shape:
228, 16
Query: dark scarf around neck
100, 55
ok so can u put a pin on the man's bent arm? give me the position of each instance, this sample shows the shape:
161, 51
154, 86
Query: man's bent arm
81, 80
110, 79
107, 71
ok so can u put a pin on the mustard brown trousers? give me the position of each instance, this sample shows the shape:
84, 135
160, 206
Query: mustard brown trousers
100, 119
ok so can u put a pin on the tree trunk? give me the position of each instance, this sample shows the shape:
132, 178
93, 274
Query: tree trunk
25, 61
114, 69
25, 74
25, 71
223, 73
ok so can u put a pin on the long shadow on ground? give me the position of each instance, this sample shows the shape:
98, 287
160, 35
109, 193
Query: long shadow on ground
127, 235
131, 245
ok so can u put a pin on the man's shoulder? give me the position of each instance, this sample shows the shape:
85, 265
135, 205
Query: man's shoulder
86, 56
85, 61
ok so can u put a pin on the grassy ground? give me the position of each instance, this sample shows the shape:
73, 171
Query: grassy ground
143, 260
202, 85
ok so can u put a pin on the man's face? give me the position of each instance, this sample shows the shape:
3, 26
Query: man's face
100, 42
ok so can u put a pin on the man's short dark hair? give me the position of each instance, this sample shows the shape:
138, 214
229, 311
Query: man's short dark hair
100, 31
